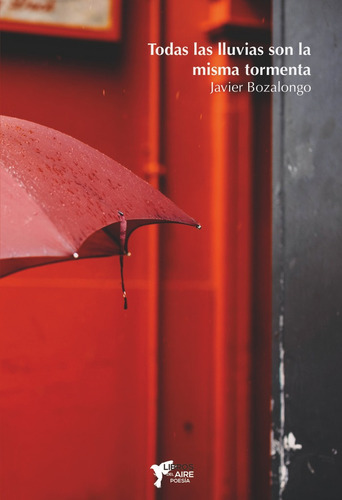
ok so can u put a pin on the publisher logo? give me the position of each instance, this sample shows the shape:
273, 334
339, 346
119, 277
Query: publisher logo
173, 473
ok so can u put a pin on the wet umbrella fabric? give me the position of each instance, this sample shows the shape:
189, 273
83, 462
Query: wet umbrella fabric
61, 199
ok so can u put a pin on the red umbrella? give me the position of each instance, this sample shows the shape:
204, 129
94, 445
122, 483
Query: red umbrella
61, 199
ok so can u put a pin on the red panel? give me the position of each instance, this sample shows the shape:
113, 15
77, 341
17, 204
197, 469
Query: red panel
77, 373
69, 395
75, 393
213, 311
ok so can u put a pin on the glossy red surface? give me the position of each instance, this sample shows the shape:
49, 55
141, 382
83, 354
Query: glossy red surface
90, 395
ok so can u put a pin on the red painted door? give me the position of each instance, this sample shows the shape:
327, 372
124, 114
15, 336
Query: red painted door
90, 395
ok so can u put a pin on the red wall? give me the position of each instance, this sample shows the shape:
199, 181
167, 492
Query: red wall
91, 395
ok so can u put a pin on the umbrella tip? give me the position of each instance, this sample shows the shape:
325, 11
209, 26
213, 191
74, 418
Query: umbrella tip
75, 255
199, 226
125, 299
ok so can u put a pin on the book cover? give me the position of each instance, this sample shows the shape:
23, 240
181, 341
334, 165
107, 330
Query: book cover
206, 386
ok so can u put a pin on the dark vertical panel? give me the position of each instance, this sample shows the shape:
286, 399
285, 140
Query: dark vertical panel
261, 299
307, 248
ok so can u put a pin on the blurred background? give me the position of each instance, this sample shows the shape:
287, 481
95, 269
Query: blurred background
91, 395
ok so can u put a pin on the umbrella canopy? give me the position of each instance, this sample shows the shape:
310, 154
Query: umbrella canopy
61, 199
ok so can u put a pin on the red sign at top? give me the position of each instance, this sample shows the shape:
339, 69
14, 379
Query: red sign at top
94, 19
